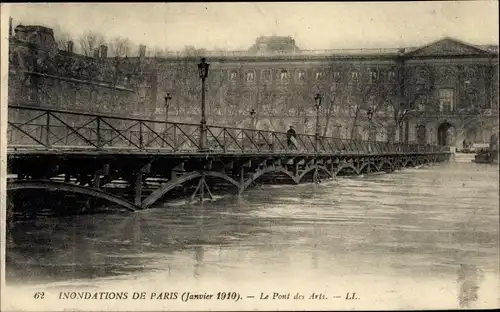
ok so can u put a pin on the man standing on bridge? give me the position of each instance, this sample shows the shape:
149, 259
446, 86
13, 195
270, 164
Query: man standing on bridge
291, 140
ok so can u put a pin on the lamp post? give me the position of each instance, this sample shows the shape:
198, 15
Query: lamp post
203, 71
369, 113
317, 99
252, 115
168, 97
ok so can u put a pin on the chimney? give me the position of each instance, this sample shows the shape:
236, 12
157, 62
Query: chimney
10, 27
96, 53
104, 51
70, 46
142, 50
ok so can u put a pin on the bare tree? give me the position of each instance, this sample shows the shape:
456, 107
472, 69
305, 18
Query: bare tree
191, 51
89, 41
119, 48
373, 94
410, 101
335, 98
62, 41
159, 52
61, 37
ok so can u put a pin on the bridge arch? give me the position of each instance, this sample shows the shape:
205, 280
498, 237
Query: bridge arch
158, 193
344, 166
322, 168
384, 164
398, 164
409, 162
71, 188
264, 171
364, 165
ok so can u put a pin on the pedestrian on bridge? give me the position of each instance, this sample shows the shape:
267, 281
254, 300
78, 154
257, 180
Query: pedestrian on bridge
291, 138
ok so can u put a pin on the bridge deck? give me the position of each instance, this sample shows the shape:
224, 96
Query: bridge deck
89, 152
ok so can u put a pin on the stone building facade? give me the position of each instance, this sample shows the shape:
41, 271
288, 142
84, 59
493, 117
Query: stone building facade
41, 75
441, 93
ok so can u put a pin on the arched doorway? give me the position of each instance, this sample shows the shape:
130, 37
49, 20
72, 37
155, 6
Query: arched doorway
445, 134
421, 134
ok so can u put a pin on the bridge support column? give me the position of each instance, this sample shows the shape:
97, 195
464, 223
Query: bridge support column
200, 189
138, 183
97, 175
242, 175
316, 177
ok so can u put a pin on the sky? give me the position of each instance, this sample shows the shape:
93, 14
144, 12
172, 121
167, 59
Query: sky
235, 26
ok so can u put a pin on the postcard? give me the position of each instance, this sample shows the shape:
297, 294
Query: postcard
249, 156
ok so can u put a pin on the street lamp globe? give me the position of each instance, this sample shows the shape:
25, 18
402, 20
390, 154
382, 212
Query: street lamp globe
317, 99
168, 97
203, 68
369, 113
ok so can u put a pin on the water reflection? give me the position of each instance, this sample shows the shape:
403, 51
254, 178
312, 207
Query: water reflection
469, 278
417, 225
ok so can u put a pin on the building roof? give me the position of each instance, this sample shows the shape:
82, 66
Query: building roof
285, 46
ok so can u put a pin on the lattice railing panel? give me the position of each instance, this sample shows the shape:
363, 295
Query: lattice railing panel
47, 128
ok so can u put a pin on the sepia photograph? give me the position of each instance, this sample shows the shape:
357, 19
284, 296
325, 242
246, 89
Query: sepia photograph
249, 156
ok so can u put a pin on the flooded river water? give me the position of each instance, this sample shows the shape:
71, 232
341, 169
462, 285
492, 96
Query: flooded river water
417, 238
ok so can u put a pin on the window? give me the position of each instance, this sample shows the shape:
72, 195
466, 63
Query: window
392, 76
421, 134
319, 76
250, 76
470, 73
266, 75
336, 75
334, 87
284, 75
422, 77
373, 76
446, 100
301, 76
354, 76
472, 99
233, 76
421, 102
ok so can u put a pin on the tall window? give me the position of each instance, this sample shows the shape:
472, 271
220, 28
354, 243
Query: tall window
266, 75
250, 76
301, 76
422, 77
373, 76
446, 100
354, 76
472, 100
392, 76
336, 75
421, 134
422, 102
233, 76
319, 75
284, 75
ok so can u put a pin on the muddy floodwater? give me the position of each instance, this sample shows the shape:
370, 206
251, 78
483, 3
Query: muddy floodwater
397, 240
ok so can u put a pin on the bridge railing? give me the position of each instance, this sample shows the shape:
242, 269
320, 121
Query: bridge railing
50, 129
